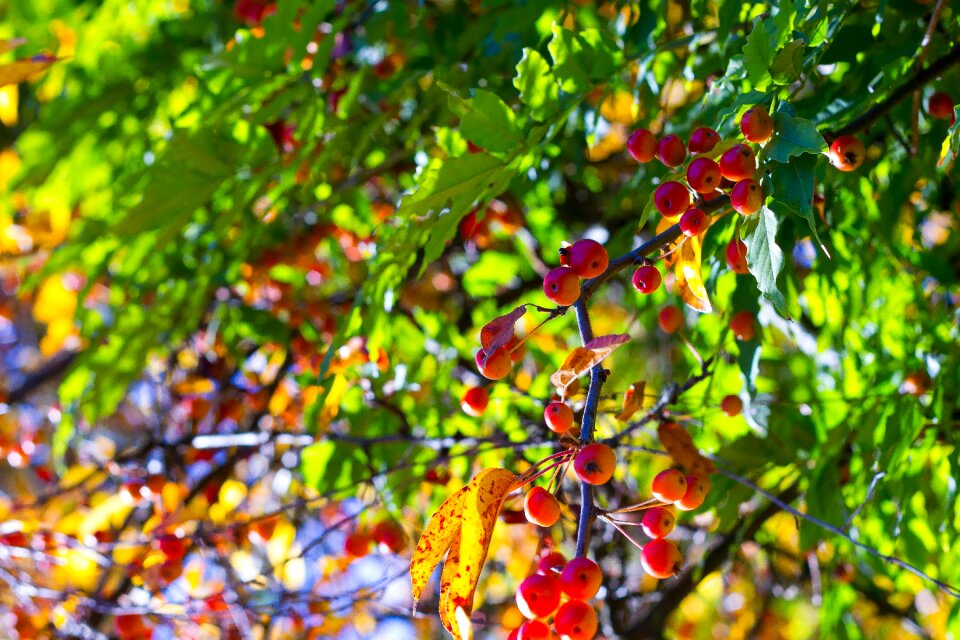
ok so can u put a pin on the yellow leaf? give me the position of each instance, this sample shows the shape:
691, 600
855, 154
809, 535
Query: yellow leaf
9, 105
193, 385
679, 445
670, 254
331, 404
582, 359
632, 400
444, 525
232, 493
461, 572
21, 70
689, 279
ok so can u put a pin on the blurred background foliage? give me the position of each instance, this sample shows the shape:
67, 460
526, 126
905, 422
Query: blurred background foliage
246, 253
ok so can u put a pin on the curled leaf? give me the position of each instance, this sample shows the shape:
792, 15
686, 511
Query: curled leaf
679, 445
689, 279
582, 359
498, 332
632, 400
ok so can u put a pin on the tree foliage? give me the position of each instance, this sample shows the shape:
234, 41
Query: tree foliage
249, 253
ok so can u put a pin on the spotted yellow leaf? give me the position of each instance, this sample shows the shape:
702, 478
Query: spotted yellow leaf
689, 279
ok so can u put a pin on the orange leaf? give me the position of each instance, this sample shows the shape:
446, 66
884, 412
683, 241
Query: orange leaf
679, 445
12, 43
441, 532
17, 72
582, 359
632, 400
461, 572
193, 385
499, 331
689, 279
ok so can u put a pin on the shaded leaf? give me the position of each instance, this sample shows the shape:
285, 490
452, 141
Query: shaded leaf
764, 256
632, 400
679, 445
689, 279
486, 120
21, 70
792, 136
791, 184
499, 331
758, 54
537, 85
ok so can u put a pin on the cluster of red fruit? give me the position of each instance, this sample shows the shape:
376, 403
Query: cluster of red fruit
582, 260
559, 589
388, 533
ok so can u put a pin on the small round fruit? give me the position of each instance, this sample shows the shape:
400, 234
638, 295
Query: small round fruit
731, 405
746, 197
357, 544
576, 620
587, 258
756, 125
693, 497
738, 163
703, 140
693, 222
917, 383
497, 366
534, 630
661, 559
940, 105
669, 485
671, 150
743, 324
559, 417
658, 522
562, 286
670, 318
671, 199
737, 256
703, 175
581, 578
642, 145
541, 507
538, 596
390, 534
595, 463
474, 401
847, 153
552, 563
647, 279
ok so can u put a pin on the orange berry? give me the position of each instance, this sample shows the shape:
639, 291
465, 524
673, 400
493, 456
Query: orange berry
731, 405
581, 578
541, 507
474, 401
669, 485
576, 620
595, 463
658, 522
558, 416
661, 559
670, 319
693, 497
538, 596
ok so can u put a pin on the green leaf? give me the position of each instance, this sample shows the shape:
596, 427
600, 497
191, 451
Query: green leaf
486, 120
764, 257
792, 136
788, 63
758, 54
330, 466
791, 185
537, 85
581, 57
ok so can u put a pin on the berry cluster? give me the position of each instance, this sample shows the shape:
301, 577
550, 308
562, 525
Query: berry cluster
559, 589
583, 259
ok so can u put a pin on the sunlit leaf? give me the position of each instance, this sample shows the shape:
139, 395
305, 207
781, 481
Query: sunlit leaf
582, 359
689, 280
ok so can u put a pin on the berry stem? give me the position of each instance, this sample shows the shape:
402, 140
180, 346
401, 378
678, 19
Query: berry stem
553, 314
624, 532
536, 471
641, 506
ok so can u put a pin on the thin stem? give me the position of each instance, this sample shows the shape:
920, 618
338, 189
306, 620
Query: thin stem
623, 531
587, 425
641, 506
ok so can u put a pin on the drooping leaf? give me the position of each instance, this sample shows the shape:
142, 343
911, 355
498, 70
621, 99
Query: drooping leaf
792, 136
632, 400
582, 359
441, 531
537, 85
758, 53
791, 184
486, 120
764, 256
689, 279
21, 70
679, 445
499, 331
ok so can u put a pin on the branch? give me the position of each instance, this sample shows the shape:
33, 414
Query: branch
899, 94
587, 424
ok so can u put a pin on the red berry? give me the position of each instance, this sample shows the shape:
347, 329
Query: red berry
576, 620
746, 197
670, 318
731, 405
562, 286
671, 151
658, 522
661, 559
743, 325
847, 153
534, 630
129, 627
515, 634
474, 401
538, 596
756, 125
738, 163
357, 544
173, 547
497, 366
541, 507
550, 562
693, 497
595, 463
587, 258
737, 256
581, 579
703, 140
703, 175
558, 416
390, 534
693, 222
669, 485
671, 198
647, 279
642, 145
940, 105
